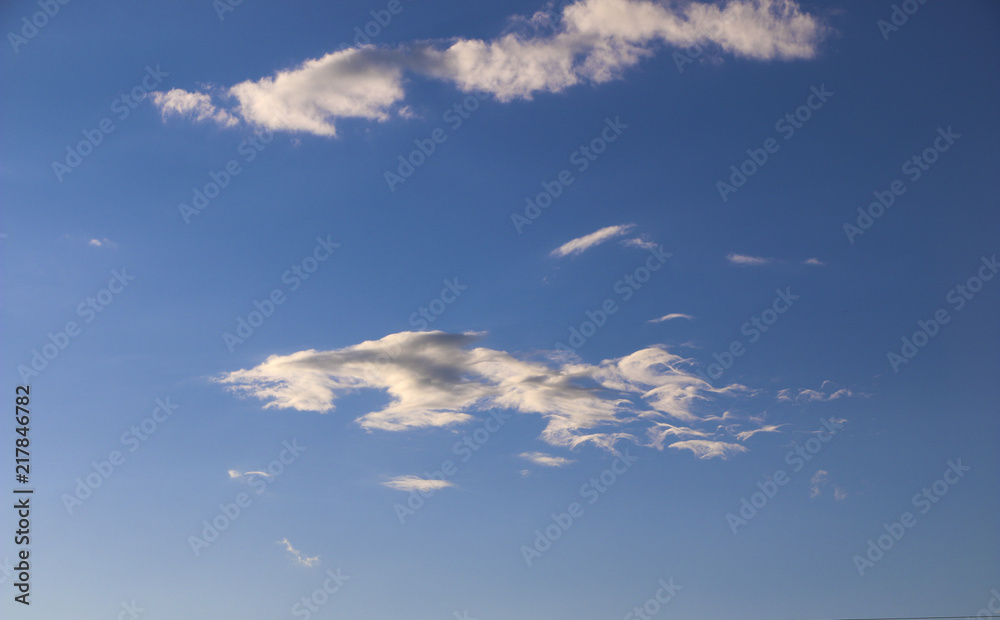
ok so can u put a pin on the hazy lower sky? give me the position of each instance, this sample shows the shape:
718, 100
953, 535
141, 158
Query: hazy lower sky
605, 309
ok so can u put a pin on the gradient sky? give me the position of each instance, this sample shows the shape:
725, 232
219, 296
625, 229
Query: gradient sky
310, 124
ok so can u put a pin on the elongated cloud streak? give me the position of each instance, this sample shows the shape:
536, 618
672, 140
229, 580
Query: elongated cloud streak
671, 317
590, 41
416, 483
581, 244
546, 460
297, 555
743, 259
236, 474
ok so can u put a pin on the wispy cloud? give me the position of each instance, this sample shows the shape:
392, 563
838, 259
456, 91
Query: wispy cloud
819, 478
436, 379
743, 259
839, 494
827, 392
813, 261
416, 483
671, 317
744, 435
705, 449
588, 41
581, 244
103, 242
547, 460
297, 555
641, 243
236, 474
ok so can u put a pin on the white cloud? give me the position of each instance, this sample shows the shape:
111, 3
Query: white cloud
640, 243
352, 83
590, 41
435, 379
813, 261
103, 242
300, 559
744, 435
819, 478
823, 395
705, 449
671, 317
839, 494
581, 244
547, 460
197, 106
236, 474
416, 483
743, 259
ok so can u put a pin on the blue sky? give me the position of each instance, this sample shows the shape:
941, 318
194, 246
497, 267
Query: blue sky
427, 398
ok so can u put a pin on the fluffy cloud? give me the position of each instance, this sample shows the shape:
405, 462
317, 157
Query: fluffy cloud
436, 379
353, 83
197, 106
590, 41
580, 244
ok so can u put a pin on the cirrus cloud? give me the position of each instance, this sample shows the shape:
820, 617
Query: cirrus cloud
416, 483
